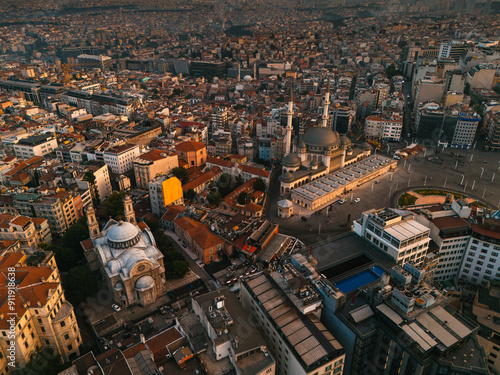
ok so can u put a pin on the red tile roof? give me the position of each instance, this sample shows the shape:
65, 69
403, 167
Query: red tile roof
203, 179
253, 170
190, 146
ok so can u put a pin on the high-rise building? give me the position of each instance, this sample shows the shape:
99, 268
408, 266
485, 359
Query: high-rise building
42, 317
285, 308
402, 238
151, 164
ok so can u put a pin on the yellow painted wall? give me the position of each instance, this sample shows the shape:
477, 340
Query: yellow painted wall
172, 190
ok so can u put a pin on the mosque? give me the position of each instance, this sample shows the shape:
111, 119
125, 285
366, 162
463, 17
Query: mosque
320, 151
126, 255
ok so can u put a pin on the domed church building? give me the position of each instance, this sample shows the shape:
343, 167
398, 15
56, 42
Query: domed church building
126, 255
320, 151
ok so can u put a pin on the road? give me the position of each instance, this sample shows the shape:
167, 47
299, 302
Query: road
193, 265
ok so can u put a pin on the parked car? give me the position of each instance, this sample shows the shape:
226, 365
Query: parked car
357, 200
115, 307
341, 201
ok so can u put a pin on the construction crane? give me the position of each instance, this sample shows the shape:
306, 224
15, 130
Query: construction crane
66, 68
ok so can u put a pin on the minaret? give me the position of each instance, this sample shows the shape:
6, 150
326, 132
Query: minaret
326, 104
92, 223
129, 210
289, 113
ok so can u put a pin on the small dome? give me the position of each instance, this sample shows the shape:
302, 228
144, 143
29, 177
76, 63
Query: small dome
302, 144
122, 232
118, 286
285, 203
286, 177
291, 160
365, 146
247, 78
144, 282
321, 136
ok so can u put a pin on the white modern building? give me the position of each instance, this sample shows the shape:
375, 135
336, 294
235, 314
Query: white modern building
398, 235
120, 159
465, 130
383, 127
36, 145
481, 260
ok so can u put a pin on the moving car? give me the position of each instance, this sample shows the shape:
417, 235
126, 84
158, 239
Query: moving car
115, 307
357, 200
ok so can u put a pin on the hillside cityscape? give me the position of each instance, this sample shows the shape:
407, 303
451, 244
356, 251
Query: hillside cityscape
258, 187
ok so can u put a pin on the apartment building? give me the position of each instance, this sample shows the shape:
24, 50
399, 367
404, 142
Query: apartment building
402, 238
36, 145
163, 191
227, 325
383, 127
493, 125
198, 238
120, 159
30, 232
284, 314
481, 260
43, 317
151, 164
60, 209
101, 187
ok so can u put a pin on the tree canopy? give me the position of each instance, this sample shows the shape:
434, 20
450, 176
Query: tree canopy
214, 197
181, 174
243, 198
44, 361
80, 283
259, 185
113, 206
190, 194
175, 264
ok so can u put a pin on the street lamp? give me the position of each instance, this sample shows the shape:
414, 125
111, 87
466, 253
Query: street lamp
482, 171
462, 182
388, 149
473, 184
425, 181
409, 166
493, 177
446, 179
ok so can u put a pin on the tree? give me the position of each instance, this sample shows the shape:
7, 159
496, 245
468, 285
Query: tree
259, 185
66, 258
190, 194
177, 269
91, 179
280, 99
113, 206
76, 233
243, 198
44, 361
80, 283
181, 174
224, 180
467, 88
214, 197
497, 89
391, 71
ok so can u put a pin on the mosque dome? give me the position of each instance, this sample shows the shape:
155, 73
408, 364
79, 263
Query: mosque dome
285, 203
247, 78
123, 234
291, 161
365, 146
286, 177
144, 282
322, 137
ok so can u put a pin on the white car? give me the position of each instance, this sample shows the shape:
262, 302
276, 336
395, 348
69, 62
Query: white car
115, 307
341, 201
357, 200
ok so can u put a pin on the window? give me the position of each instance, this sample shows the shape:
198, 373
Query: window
70, 347
66, 337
